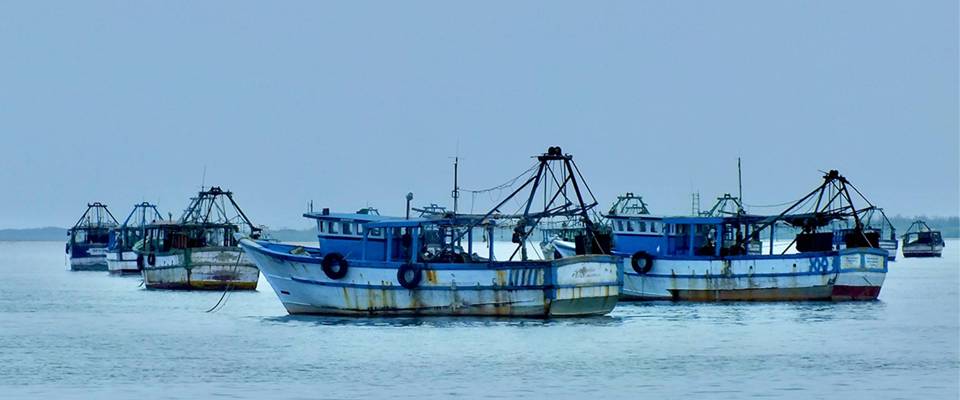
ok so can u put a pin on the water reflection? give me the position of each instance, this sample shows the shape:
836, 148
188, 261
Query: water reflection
440, 322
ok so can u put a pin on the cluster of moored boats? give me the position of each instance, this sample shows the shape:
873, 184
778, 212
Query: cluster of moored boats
199, 250
826, 246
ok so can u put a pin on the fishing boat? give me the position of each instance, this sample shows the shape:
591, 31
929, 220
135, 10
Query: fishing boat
921, 241
429, 265
121, 259
199, 251
89, 237
720, 256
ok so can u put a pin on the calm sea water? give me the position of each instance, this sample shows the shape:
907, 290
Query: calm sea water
89, 335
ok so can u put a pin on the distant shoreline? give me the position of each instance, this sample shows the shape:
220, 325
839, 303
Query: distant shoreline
948, 226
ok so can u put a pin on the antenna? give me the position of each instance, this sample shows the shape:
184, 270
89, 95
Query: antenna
456, 187
203, 178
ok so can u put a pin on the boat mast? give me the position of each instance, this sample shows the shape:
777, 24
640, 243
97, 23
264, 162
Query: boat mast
456, 187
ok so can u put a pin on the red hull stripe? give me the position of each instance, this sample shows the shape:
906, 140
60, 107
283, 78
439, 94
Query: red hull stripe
855, 292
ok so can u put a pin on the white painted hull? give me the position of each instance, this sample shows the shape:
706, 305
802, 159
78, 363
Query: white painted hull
914, 250
208, 268
122, 262
586, 285
854, 275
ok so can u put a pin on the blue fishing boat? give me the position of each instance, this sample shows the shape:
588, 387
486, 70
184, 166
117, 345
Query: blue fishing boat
368, 264
89, 237
722, 256
199, 251
121, 258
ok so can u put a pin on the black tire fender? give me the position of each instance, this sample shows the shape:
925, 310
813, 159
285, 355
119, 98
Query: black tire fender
152, 259
335, 266
409, 276
641, 262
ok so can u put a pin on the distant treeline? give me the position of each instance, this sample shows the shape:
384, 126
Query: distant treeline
949, 226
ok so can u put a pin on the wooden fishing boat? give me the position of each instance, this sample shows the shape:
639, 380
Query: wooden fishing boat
921, 241
199, 251
89, 237
121, 259
372, 265
721, 257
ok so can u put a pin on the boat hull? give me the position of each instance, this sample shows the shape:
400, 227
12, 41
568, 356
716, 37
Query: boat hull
578, 286
913, 250
90, 258
854, 274
208, 268
89, 263
122, 262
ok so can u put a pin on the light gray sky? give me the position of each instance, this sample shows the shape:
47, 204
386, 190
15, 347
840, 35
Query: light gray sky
356, 103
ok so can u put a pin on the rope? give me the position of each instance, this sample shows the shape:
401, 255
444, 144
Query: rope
770, 205
226, 289
504, 185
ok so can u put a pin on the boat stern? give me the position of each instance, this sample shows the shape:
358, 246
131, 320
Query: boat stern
585, 285
861, 272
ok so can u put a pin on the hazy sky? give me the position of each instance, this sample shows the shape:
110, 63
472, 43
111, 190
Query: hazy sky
357, 103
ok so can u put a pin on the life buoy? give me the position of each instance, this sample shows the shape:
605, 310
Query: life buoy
152, 259
140, 261
409, 276
334, 265
641, 262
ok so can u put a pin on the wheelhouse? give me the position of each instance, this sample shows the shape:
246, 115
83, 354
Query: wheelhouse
133, 229
164, 237
92, 229
347, 233
930, 238
89, 236
688, 236
373, 237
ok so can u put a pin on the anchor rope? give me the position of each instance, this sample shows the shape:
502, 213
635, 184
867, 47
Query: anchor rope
222, 303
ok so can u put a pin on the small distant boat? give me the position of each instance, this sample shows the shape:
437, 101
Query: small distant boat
922, 241
89, 237
368, 264
720, 256
121, 259
199, 251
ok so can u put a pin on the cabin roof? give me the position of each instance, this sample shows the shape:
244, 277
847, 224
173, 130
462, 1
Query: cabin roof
412, 222
346, 216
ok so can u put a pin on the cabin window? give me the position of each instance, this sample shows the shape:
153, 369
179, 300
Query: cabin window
79, 236
653, 227
320, 226
629, 226
642, 226
375, 232
360, 229
620, 225
332, 227
347, 228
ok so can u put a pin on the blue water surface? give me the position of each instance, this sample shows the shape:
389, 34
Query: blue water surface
89, 335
